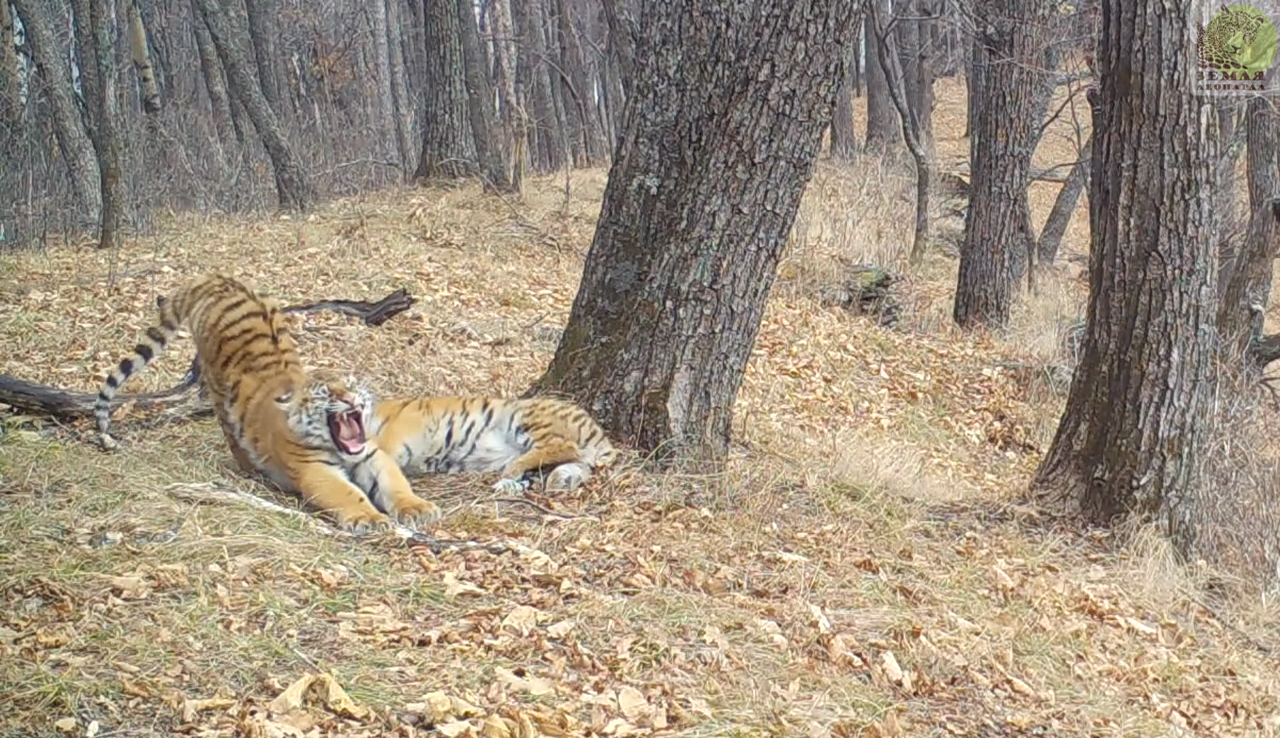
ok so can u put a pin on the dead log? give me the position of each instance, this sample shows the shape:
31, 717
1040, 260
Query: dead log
30, 397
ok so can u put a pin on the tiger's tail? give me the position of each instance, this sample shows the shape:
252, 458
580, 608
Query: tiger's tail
172, 317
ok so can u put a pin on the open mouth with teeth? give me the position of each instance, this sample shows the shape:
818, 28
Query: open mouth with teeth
347, 431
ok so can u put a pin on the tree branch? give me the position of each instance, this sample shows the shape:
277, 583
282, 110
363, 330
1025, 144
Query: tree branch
23, 396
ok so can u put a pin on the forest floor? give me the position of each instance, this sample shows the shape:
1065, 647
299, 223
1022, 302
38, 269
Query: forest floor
862, 567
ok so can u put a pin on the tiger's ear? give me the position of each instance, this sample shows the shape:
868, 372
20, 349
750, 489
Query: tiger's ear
284, 398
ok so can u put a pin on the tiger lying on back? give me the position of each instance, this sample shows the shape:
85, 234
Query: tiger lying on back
306, 433
525, 438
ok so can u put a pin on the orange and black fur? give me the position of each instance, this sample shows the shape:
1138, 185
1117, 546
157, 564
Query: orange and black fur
527, 439
306, 433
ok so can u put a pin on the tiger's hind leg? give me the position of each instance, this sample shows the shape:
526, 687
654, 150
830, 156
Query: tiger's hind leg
542, 461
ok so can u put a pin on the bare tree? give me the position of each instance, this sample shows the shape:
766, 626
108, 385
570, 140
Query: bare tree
1011, 109
510, 104
141, 56
842, 135
106, 132
263, 22
10, 81
73, 140
676, 281
293, 187
402, 108
382, 60
484, 124
533, 74
448, 146
580, 110
225, 120
1135, 427
912, 129
1247, 276
882, 117
1055, 226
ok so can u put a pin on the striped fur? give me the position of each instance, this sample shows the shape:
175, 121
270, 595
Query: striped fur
306, 433
527, 439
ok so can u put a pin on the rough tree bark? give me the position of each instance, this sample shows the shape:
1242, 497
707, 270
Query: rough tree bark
510, 105
676, 280
262, 17
293, 188
1055, 226
1248, 281
140, 54
484, 129
1011, 108
448, 146
382, 61
106, 138
73, 140
882, 118
975, 81
842, 135
402, 107
10, 82
229, 126
1134, 431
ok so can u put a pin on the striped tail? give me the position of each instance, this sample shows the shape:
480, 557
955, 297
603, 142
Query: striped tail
151, 346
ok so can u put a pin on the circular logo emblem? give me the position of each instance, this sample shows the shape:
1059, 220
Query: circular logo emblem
1239, 41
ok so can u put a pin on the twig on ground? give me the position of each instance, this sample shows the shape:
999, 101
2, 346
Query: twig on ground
539, 508
207, 492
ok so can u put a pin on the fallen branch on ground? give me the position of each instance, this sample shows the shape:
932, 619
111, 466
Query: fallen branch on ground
31, 397
209, 492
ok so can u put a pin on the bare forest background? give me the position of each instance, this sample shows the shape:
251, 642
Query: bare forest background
236, 106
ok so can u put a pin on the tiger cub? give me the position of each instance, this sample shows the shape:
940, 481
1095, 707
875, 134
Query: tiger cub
524, 438
306, 433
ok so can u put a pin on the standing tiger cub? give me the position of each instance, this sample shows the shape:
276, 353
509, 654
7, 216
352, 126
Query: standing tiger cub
306, 433
524, 438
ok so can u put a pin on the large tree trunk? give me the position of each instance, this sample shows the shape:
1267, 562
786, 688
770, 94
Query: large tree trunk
229, 126
975, 82
106, 139
10, 82
882, 118
264, 29
1011, 108
1055, 226
382, 60
402, 108
842, 136
292, 185
140, 54
1134, 432
1248, 282
483, 117
676, 280
73, 140
510, 103
448, 146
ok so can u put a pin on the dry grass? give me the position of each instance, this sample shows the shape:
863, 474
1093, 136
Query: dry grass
857, 570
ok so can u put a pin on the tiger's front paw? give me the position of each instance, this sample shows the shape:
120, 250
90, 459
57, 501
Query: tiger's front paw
511, 486
361, 520
413, 509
